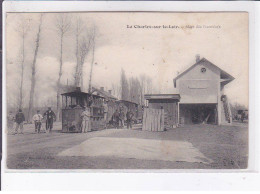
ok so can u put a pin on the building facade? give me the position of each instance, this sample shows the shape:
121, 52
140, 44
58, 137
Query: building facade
201, 88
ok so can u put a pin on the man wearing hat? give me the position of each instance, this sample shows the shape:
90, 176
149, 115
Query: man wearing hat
19, 119
50, 117
37, 118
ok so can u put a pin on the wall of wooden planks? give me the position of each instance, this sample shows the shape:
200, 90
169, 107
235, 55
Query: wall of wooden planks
153, 119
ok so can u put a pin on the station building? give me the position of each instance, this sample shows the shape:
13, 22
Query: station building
202, 98
199, 96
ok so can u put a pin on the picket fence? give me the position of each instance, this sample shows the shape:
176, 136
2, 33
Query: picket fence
153, 119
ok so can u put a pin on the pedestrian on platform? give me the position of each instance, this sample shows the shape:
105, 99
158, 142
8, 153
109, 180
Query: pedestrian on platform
37, 118
19, 119
122, 118
115, 119
86, 122
105, 106
129, 119
243, 115
50, 118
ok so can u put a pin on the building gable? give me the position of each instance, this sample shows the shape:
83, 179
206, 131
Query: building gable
191, 71
200, 83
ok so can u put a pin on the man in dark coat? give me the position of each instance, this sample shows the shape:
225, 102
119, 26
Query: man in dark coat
19, 119
50, 117
129, 119
116, 118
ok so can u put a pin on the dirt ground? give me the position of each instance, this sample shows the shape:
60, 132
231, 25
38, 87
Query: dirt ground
226, 146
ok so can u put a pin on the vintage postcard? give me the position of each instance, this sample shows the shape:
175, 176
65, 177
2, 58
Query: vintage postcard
127, 90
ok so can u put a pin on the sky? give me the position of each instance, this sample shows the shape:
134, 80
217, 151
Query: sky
158, 52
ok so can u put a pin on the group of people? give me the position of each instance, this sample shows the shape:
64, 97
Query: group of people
19, 120
119, 117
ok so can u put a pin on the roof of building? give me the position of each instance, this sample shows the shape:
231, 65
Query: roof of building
103, 93
162, 96
77, 92
127, 101
225, 77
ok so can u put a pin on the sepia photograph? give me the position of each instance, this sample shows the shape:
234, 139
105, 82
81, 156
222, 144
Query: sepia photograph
127, 90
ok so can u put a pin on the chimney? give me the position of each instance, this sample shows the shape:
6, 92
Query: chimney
197, 58
110, 91
102, 88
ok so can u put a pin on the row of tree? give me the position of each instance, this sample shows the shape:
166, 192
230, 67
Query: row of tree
134, 88
129, 88
84, 43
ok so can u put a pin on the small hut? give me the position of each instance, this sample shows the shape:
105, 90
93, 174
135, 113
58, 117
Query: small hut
167, 102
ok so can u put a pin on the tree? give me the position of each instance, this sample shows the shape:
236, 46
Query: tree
143, 88
22, 29
146, 87
33, 79
124, 86
134, 90
149, 85
78, 31
63, 24
93, 55
116, 90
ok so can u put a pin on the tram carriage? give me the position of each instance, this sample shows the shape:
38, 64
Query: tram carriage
73, 104
135, 108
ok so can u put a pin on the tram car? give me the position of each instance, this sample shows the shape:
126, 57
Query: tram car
73, 104
134, 107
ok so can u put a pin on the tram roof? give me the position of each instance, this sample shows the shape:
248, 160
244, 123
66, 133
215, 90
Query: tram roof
127, 101
79, 94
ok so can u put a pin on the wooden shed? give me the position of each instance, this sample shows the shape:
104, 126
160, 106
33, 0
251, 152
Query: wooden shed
167, 102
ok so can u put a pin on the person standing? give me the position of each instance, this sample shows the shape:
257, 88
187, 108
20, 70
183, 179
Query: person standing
50, 117
10, 122
19, 119
116, 119
105, 111
37, 118
122, 118
242, 116
129, 119
85, 116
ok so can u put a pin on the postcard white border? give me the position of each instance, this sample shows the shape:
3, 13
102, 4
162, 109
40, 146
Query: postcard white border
133, 179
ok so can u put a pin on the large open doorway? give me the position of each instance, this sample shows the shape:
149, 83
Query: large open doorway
198, 113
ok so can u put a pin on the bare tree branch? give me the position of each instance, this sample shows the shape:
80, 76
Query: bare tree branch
85, 44
33, 79
63, 25
22, 29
